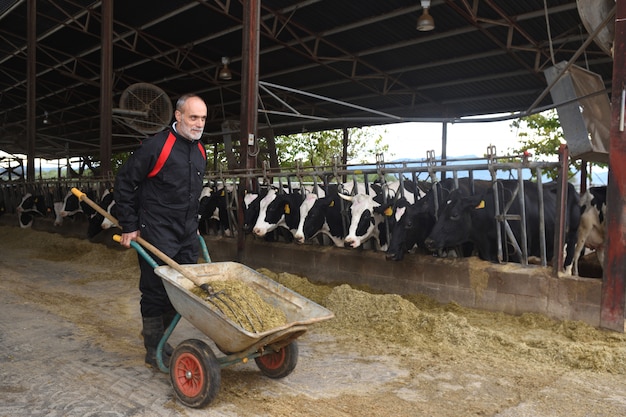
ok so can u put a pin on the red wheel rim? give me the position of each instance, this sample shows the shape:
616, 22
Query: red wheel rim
189, 375
273, 360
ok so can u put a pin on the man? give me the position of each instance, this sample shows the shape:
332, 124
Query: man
157, 194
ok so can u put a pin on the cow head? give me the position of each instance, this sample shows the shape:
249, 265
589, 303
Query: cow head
364, 219
305, 209
454, 225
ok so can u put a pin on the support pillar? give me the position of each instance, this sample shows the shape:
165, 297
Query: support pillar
106, 89
249, 101
31, 89
612, 308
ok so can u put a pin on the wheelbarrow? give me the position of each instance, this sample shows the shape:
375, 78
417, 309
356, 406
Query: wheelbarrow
194, 369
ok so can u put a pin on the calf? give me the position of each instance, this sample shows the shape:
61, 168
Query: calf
473, 219
592, 229
97, 222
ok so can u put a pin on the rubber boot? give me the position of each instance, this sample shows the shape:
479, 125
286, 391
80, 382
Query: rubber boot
152, 333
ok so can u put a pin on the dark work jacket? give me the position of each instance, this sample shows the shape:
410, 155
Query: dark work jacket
164, 208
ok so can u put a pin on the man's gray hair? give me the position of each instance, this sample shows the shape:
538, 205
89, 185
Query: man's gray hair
183, 99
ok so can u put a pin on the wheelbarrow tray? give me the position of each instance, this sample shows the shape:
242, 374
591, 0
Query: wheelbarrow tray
228, 335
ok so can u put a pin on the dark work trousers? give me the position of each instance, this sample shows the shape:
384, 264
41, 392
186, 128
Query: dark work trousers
154, 300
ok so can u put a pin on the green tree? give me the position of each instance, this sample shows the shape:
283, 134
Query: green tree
319, 148
541, 135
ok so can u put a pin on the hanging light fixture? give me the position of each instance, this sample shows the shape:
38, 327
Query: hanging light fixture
225, 72
425, 21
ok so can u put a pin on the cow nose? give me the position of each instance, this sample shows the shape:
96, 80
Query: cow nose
430, 244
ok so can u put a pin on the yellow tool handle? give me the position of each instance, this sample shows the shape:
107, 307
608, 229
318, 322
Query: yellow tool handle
83, 197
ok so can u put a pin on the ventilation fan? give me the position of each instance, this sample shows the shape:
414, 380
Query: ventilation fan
148, 107
592, 13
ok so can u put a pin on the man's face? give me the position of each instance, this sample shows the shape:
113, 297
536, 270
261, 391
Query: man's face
191, 118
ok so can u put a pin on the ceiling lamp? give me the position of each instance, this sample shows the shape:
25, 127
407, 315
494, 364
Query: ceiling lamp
425, 21
225, 72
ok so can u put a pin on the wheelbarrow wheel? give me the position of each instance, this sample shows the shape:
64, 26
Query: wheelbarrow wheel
195, 373
280, 363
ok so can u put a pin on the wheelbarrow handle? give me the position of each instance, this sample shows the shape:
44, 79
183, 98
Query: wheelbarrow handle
157, 252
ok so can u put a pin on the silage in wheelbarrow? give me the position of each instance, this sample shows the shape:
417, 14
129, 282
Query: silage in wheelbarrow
240, 303
299, 311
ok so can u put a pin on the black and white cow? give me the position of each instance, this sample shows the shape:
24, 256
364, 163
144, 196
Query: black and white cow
30, 207
278, 210
97, 222
214, 209
321, 214
367, 215
592, 229
252, 207
471, 218
72, 207
371, 212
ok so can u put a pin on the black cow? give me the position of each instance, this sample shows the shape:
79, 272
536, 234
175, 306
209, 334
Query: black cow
471, 218
414, 222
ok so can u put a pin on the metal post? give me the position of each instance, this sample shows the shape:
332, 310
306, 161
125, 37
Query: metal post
106, 89
444, 146
612, 308
31, 91
561, 201
249, 100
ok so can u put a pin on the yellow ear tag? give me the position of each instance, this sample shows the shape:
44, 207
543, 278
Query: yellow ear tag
287, 209
332, 204
222, 193
480, 205
388, 212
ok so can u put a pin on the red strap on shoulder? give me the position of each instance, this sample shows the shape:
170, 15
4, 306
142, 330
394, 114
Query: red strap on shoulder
202, 149
165, 153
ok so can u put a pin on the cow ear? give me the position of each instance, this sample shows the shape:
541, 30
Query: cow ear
287, 209
480, 205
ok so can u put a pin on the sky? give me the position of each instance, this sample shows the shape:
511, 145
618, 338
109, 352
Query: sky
413, 140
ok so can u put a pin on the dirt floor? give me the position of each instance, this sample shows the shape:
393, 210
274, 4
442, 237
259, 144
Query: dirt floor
70, 345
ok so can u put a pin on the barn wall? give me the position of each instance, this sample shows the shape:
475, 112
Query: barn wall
469, 282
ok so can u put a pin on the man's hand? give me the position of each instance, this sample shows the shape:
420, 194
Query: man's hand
127, 237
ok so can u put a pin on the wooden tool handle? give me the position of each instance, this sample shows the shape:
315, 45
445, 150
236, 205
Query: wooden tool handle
157, 252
